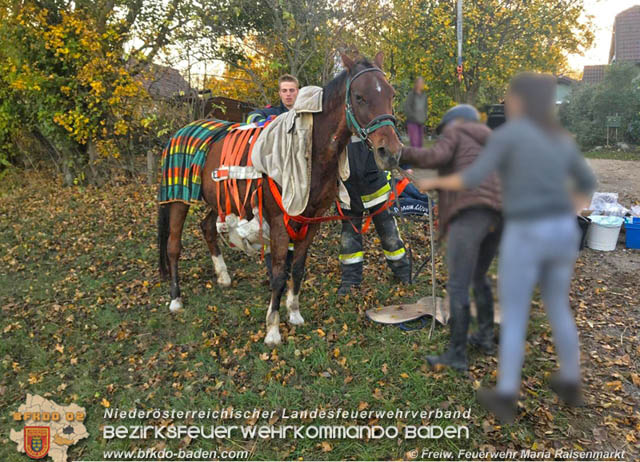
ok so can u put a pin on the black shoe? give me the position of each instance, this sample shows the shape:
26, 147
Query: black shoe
403, 279
504, 407
483, 337
483, 342
451, 358
347, 289
570, 393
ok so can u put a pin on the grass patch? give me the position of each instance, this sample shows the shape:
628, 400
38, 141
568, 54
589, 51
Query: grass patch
85, 318
615, 155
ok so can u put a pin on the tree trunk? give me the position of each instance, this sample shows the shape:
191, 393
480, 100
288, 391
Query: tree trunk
93, 156
66, 172
151, 168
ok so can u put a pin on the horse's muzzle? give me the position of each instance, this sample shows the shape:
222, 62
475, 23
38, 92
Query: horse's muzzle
385, 159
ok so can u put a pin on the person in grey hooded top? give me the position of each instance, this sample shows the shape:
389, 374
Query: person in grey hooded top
537, 162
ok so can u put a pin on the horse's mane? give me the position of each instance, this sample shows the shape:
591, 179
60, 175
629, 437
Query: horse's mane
335, 86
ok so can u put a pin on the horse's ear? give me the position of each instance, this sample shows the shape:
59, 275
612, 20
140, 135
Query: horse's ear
347, 62
378, 60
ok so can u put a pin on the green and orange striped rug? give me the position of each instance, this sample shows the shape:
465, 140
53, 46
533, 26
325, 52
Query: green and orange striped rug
183, 159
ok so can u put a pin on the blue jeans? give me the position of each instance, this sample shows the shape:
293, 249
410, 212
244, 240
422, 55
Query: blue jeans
537, 251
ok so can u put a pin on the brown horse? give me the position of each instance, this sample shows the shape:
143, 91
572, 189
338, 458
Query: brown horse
368, 105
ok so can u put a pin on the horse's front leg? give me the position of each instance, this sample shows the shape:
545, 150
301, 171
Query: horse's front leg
300, 252
279, 277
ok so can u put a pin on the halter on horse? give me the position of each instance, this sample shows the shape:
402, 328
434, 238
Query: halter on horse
332, 130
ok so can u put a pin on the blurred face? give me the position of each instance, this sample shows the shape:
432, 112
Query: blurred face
513, 106
288, 93
419, 85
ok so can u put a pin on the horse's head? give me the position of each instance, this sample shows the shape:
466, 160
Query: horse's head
369, 105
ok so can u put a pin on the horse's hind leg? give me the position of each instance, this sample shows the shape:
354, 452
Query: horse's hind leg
298, 272
177, 216
208, 226
279, 277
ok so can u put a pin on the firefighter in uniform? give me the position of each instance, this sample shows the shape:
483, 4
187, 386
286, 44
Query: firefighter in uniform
367, 188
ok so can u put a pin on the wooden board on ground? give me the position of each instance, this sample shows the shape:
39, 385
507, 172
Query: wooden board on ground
396, 314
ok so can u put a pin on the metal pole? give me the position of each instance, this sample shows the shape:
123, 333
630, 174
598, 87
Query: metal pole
460, 66
459, 32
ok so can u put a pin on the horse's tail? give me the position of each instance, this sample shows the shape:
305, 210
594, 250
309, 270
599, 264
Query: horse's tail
163, 239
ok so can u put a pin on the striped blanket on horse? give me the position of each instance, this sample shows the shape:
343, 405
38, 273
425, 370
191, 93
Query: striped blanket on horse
183, 159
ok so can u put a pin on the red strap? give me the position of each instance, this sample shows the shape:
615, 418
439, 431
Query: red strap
299, 235
293, 234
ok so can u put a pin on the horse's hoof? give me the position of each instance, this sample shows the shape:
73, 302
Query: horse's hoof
273, 336
295, 318
224, 280
176, 305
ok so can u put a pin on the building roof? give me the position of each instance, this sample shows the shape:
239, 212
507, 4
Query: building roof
594, 74
564, 80
164, 82
625, 41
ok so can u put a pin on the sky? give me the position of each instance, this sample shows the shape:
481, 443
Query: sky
604, 13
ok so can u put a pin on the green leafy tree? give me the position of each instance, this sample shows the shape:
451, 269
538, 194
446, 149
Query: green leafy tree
501, 37
589, 106
67, 81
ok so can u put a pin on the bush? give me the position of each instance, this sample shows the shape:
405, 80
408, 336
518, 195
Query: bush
589, 106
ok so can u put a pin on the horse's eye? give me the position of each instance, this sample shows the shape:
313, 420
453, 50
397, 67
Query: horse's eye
360, 99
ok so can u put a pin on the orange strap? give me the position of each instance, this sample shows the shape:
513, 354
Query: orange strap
233, 149
227, 146
293, 234
305, 221
367, 221
250, 164
241, 143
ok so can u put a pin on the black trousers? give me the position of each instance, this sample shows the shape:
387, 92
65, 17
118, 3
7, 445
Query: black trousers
473, 239
367, 188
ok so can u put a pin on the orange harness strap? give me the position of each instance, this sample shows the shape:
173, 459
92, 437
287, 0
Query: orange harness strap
253, 140
233, 149
227, 146
306, 221
236, 157
293, 234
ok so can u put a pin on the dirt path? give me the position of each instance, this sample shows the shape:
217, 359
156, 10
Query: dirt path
621, 176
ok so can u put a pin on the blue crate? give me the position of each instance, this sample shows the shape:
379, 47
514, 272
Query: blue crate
633, 234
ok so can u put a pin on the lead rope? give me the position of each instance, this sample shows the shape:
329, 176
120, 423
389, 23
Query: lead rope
433, 265
431, 258
410, 177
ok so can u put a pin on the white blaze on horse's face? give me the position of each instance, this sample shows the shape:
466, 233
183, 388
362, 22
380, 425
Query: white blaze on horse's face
378, 87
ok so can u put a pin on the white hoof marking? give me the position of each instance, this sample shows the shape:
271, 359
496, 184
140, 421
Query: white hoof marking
220, 268
176, 305
273, 336
295, 318
293, 306
224, 280
273, 328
